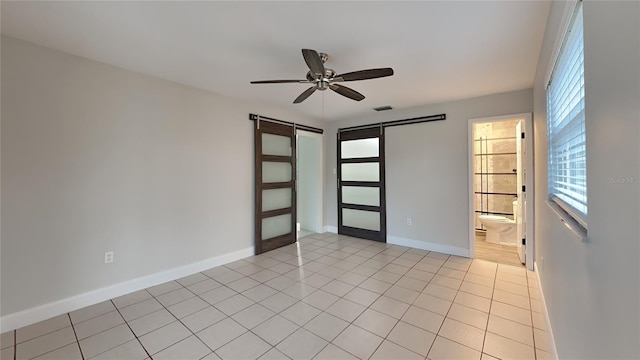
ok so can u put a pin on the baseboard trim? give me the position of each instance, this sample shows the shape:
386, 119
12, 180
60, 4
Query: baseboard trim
423, 245
43, 312
552, 340
331, 229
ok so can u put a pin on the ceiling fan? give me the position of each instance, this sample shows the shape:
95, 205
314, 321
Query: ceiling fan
325, 78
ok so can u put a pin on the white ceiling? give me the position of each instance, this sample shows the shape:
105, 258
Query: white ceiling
440, 50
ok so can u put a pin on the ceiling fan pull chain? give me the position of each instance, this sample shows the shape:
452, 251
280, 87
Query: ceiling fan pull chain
323, 107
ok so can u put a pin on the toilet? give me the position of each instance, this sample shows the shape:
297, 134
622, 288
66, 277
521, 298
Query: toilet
500, 230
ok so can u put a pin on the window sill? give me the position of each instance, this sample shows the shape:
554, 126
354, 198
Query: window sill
569, 222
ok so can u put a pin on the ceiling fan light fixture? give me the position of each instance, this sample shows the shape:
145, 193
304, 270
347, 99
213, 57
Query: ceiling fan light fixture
325, 78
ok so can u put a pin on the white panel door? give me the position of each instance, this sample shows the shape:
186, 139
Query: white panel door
520, 215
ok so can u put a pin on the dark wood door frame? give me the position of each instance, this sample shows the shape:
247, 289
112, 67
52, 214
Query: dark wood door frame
285, 239
377, 132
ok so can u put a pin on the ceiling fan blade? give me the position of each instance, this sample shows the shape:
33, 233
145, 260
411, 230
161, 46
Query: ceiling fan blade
345, 91
364, 74
313, 60
305, 94
280, 81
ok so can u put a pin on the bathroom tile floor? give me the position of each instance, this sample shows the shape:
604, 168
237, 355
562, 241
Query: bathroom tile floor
326, 297
501, 254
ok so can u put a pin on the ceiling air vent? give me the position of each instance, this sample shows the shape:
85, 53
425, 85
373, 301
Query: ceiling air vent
383, 108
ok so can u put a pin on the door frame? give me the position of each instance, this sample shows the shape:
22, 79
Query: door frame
290, 237
529, 177
345, 135
319, 191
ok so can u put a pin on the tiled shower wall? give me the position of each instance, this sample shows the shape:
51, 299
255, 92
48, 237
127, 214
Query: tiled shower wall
505, 134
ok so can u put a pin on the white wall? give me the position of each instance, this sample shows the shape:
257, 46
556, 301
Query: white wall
96, 158
592, 287
426, 169
308, 181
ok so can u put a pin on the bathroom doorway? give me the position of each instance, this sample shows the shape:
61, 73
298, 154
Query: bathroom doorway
309, 183
501, 220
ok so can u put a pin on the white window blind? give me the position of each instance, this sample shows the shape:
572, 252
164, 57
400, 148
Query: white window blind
566, 125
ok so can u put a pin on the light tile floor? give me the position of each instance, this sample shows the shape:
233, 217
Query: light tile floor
327, 297
304, 233
502, 254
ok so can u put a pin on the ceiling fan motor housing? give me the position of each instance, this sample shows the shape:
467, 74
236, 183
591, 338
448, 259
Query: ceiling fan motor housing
322, 82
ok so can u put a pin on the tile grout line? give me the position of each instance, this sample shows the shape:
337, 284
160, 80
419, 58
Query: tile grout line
530, 310
178, 320
76, 336
369, 307
446, 316
15, 340
300, 300
240, 293
366, 308
213, 306
421, 292
393, 284
452, 302
533, 328
191, 331
342, 297
495, 279
339, 297
370, 249
130, 329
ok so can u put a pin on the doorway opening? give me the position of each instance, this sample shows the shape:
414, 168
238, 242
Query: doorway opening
501, 218
276, 200
309, 183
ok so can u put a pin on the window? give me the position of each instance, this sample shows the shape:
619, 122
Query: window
566, 125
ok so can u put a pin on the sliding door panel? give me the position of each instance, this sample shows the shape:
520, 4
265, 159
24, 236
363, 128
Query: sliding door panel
361, 202
275, 193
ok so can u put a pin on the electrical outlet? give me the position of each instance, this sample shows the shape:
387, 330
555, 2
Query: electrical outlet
108, 257
409, 221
